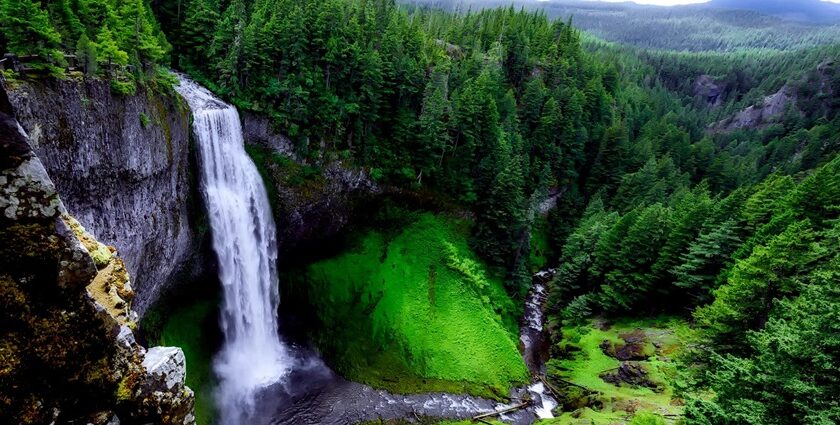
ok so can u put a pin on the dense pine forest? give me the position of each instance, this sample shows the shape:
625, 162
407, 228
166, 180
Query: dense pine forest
696, 180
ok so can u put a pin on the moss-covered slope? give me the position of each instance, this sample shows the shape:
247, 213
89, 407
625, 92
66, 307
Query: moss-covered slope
415, 311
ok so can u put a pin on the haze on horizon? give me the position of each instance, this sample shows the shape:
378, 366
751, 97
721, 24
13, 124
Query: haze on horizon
671, 2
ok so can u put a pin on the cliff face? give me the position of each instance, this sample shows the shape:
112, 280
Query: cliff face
309, 204
67, 349
759, 116
122, 167
708, 90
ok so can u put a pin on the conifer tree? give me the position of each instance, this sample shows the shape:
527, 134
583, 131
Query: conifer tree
434, 137
707, 256
86, 55
629, 282
28, 31
109, 52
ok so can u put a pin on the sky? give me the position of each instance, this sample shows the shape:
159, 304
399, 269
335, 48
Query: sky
677, 2
663, 2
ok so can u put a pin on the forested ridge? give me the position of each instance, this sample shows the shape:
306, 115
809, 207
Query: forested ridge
716, 26
493, 110
120, 39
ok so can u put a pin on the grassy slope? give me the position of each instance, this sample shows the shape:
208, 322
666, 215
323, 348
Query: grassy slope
584, 367
414, 311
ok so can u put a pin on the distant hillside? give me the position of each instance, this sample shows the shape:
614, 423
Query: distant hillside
706, 27
797, 10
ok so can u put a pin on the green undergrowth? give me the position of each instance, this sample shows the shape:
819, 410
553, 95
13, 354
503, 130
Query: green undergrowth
411, 310
605, 416
584, 361
540, 248
185, 327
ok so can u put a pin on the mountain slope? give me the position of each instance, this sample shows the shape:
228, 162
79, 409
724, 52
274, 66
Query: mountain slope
799, 10
722, 25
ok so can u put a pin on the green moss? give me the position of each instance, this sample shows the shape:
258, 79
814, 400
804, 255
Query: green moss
587, 416
156, 98
647, 418
415, 311
123, 86
124, 389
585, 361
11, 79
145, 121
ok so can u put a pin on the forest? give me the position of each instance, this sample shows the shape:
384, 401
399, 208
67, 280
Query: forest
671, 202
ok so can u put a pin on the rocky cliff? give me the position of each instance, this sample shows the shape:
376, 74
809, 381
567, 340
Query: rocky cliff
708, 91
759, 116
816, 94
67, 349
310, 203
122, 167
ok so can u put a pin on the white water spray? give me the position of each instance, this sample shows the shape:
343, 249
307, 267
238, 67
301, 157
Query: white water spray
244, 239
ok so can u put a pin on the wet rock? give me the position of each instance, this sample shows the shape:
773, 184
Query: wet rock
574, 398
257, 130
104, 418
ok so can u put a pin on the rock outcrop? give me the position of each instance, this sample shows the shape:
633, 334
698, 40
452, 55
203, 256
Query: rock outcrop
67, 349
122, 167
708, 90
257, 131
310, 204
815, 94
759, 116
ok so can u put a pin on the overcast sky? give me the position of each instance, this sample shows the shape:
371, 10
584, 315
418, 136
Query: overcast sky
662, 2
676, 2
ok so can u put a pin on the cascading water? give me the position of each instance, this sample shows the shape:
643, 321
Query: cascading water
244, 240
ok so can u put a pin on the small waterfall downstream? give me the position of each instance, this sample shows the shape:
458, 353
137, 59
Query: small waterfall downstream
244, 239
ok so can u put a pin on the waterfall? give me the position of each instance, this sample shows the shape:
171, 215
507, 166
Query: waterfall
244, 240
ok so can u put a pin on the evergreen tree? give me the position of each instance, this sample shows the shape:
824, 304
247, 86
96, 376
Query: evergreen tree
707, 256
86, 55
499, 232
792, 377
690, 210
434, 134
773, 271
109, 52
28, 31
629, 283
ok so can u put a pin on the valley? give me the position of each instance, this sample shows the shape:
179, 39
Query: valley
229, 212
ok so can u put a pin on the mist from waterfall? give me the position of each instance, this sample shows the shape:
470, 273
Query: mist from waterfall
244, 240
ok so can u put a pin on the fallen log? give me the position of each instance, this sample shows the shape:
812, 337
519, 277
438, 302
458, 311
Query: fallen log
478, 418
550, 387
